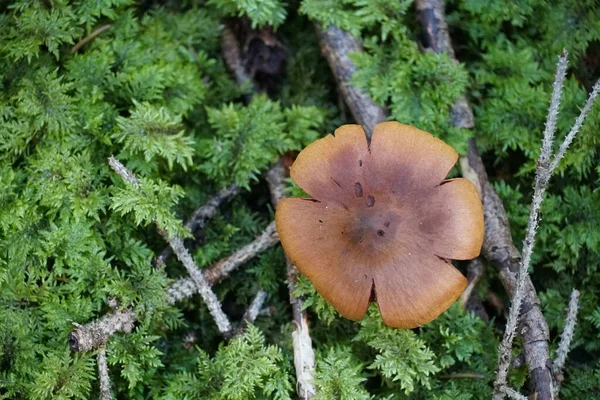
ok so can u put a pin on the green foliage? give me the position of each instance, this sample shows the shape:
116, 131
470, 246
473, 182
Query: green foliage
247, 137
150, 203
339, 376
260, 12
401, 356
154, 132
243, 369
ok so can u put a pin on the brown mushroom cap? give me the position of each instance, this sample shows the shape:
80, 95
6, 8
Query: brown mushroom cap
382, 218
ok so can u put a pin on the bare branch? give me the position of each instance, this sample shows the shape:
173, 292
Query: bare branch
575, 129
223, 268
95, 334
336, 46
199, 217
252, 312
474, 274
103, 375
202, 286
559, 79
185, 287
567, 334
304, 355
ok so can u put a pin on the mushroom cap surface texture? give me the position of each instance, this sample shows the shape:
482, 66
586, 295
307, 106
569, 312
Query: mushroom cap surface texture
382, 222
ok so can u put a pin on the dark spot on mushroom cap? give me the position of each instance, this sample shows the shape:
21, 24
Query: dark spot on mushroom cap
358, 190
380, 233
387, 224
370, 201
360, 163
321, 221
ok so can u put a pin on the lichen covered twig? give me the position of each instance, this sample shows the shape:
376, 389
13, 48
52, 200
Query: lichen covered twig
95, 334
103, 375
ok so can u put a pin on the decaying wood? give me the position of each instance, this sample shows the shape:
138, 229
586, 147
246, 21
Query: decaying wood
304, 355
336, 46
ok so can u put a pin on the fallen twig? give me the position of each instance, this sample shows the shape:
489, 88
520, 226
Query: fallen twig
304, 355
251, 312
89, 38
336, 46
565, 339
202, 214
544, 171
176, 243
103, 375
474, 274
185, 287
95, 334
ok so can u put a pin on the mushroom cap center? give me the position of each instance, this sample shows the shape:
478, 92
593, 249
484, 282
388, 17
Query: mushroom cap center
374, 226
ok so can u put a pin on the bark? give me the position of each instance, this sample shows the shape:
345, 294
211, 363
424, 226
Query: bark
96, 334
336, 46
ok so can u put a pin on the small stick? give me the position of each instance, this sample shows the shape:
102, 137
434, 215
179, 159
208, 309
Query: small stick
304, 355
90, 37
223, 268
461, 375
565, 339
184, 287
103, 375
474, 274
202, 286
252, 312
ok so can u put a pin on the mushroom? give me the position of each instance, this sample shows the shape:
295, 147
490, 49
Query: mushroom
382, 222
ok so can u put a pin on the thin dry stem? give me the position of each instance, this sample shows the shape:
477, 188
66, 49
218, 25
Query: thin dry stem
185, 287
252, 312
567, 334
202, 286
201, 215
103, 375
543, 174
304, 355
575, 129
549, 131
